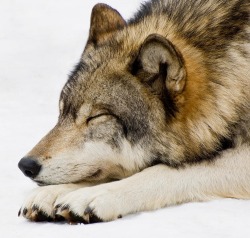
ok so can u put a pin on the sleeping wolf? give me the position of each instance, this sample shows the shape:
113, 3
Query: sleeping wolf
156, 113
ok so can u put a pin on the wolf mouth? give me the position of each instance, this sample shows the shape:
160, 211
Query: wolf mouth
40, 183
92, 176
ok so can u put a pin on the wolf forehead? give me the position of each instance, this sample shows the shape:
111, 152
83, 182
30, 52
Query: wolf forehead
102, 85
104, 76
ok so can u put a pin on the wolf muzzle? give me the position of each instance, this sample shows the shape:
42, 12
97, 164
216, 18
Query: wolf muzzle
29, 167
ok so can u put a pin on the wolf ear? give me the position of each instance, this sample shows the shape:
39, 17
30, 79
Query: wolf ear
104, 21
158, 58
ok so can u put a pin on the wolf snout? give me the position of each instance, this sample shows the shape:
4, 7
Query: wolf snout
29, 167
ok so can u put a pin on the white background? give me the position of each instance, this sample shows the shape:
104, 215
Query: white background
40, 42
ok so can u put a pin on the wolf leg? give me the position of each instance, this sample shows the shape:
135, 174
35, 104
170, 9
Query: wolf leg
160, 186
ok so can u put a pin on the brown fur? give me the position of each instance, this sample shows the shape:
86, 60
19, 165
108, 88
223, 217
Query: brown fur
170, 86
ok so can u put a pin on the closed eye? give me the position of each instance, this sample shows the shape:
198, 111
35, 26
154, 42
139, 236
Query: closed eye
109, 114
97, 116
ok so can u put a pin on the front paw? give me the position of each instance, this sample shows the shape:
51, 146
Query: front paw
39, 205
89, 205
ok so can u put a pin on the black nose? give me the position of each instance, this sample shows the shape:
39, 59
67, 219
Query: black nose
29, 167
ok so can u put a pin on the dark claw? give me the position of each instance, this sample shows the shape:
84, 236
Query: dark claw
58, 218
19, 212
55, 211
120, 216
41, 216
76, 218
57, 206
88, 210
93, 218
65, 207
25, 210
34, 208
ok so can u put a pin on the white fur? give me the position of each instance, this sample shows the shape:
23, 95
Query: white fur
153, 188
76, 165
159, 186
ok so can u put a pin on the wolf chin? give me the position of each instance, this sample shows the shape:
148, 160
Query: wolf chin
156, 113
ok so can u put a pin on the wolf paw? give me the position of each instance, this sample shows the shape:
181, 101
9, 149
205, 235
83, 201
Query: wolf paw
39, 205
89, 205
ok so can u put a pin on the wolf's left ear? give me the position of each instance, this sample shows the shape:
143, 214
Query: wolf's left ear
104, 21
159, 58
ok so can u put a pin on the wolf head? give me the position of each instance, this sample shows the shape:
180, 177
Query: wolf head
117, 109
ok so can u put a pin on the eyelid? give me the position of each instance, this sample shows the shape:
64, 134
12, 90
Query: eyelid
97, 115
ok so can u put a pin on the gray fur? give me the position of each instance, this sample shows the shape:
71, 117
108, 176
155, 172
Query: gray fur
170, 86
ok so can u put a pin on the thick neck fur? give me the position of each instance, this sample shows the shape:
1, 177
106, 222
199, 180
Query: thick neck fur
207, 109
